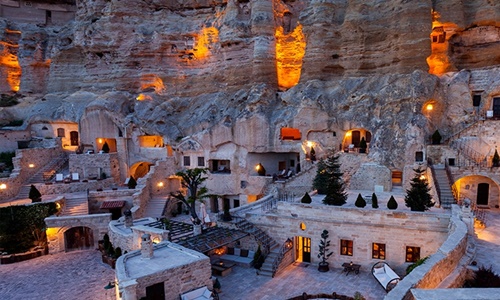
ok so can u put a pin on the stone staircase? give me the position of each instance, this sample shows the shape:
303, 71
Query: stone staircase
442, 183
76, 204
155, 207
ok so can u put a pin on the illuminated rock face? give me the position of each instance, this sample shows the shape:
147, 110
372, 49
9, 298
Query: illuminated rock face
10, 70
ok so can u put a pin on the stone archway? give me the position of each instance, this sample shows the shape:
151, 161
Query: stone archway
139, 169
78, 238
480, 189
353, 137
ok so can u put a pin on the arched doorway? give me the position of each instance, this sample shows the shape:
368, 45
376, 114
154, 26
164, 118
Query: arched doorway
78, 238
139, 169
352, 139
483, 191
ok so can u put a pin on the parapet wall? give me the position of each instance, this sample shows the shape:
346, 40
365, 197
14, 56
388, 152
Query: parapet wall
439, 265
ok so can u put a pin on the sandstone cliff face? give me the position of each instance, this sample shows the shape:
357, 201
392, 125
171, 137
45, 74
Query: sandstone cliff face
199, 67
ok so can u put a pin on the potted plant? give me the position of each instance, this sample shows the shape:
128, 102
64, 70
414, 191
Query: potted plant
362, 145
496, 159
324, 253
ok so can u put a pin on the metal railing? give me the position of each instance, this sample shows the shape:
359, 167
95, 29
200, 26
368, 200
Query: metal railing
472, 157
285, 247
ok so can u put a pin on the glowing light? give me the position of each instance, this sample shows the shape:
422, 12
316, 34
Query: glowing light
9, 61
58, 205
290, 49
152, 81
349, 133
257, 167
422, 177
310, 144
143, 97
204, 41
100, 141
429, 107
3, 186
439, 62
219, 251
31, 165
156, 240
160, 184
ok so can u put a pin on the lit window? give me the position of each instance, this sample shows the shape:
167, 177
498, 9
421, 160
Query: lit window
346, 247
201, 161
378, 251
302, 226
187, 161
412, 254
290, 134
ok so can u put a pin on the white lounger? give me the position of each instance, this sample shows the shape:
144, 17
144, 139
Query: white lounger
385, 275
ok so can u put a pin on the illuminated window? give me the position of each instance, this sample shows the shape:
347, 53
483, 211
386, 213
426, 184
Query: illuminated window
290, 134
412, 254
187, 161
378, 251
346, 247
201, 161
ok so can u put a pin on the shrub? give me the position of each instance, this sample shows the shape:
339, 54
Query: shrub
392, 204
34, 194
118, 252
374, 201
496, 159
7, 100
360, 202
131, 183
436, 138
258, 258
483, 278
105, 147
416, 264
306, 198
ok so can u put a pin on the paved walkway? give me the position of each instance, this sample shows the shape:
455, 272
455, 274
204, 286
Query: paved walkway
73, 275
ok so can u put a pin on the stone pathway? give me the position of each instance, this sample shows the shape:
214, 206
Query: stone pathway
73, 275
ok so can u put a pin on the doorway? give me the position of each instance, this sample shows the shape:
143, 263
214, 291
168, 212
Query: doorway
79, 238
356, 138
496, 107
156, 291
483, 191
303, 249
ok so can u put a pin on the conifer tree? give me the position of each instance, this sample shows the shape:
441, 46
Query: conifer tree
360, 201
374, 201
105, 147
34, 194
329, 180
418, 197
392, 204
306, 198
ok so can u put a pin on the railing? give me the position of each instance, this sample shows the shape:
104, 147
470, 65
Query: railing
277, 260
436, 183
262, 237
472, 156
481, 116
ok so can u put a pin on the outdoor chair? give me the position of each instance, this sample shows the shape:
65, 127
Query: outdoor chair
59, 177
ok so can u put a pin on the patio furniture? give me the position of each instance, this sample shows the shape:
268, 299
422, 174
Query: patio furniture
221, 268
59, 177
241, 257
75, 177
350, 267
202, 293
385, 275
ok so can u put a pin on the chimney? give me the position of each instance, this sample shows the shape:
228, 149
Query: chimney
129, 221
146, 246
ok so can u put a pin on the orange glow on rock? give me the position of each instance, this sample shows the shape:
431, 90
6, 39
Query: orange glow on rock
290, 49
143, 97
439, 62
152, 81
10, 63
204, 41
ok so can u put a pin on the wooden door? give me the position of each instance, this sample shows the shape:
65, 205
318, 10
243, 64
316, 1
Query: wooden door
306, 249
356, 138
483, 191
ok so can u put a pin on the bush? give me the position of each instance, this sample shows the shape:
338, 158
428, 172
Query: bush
105, 147
374, 201
306, 198
34, 194
118, 252
360, 202
496, 159
7, 100
483, 278
436, 138
258, 258
131, 183
392, 204
416, 264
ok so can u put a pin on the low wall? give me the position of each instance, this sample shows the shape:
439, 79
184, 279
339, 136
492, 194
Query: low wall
439, 265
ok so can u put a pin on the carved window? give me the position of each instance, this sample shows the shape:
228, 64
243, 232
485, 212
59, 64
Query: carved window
290, 134
346, 247
60, 132
419, 156
378, 251
187, 161
201, 161
412, 254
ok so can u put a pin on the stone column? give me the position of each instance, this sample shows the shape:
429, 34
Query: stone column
146, 246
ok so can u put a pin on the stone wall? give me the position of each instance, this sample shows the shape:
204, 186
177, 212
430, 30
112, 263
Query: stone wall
88, 165
365, 226
370, 174
9, 139
439, 265
57, 226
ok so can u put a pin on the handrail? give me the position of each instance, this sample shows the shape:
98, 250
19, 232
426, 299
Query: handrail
277, 260
470, 154
436, 183
464, 126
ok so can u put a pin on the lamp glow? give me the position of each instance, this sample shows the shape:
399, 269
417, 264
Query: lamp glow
31, 165
100, 141
309, 144
429, 107
160, 184
3, 186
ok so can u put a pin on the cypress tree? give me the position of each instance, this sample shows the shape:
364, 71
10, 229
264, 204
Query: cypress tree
418, 197
131, 183
105, 147
306, 198
374, 201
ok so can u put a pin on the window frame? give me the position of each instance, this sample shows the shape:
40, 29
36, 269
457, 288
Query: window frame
379, 253
345, 246
202, 160
186, 160
414, 254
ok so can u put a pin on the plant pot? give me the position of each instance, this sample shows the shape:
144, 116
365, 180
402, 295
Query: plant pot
323, 267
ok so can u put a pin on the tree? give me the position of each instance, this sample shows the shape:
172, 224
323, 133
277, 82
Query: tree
306, 198
436, 138
192, 179
496, 159
374, 201
392, 204
105, 147
418, 197
329, 180
131, 183
34, 194
360, 202
312, 155
323, 252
